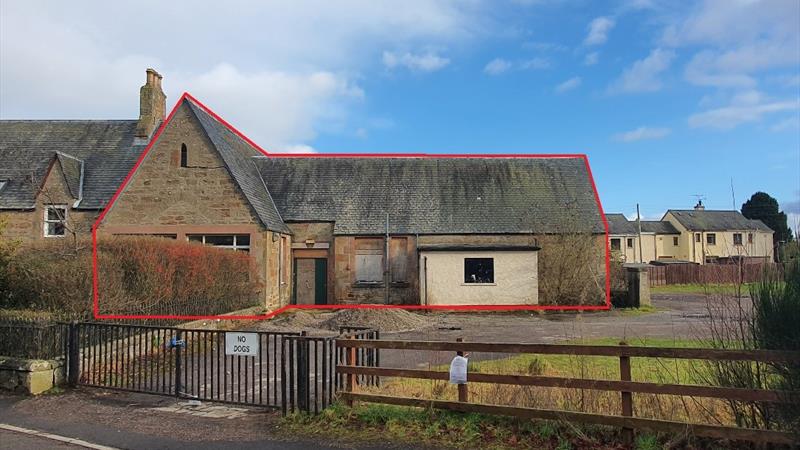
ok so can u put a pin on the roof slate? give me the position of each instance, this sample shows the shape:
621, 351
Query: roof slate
709, 220
619, 224
435, 195
27, 147
659, 227
238, 157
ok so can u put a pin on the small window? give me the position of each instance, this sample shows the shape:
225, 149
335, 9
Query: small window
616, 244
184, 156
711, 239
479, 270
630, 243
749, 238
240, 242
55, 219
697, 237
2, 184
675, 241
737, 238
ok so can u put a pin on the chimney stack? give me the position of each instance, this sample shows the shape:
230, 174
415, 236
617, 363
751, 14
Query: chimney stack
699, 206
152, 105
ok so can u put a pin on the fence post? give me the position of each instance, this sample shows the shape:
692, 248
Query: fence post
73, 355
351, 379
178, 363
627, 397
302, 373
463, 394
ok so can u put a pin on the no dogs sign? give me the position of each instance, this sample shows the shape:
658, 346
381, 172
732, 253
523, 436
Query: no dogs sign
241, 344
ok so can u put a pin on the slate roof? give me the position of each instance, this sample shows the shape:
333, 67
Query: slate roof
237, 155
709, 220
619, 224
436, 195
28, 147
659, 227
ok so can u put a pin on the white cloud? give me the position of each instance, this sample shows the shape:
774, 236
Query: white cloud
598, 30
535, 64
643, 75
294, 149
787, 124
568, 85
737, 40
591, 58
750, 107
423, 62
497, 66
642, 133
283, 72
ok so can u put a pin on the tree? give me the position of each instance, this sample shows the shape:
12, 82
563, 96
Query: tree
763, 207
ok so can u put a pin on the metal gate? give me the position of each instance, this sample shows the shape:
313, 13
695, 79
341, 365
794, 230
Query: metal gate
177, 362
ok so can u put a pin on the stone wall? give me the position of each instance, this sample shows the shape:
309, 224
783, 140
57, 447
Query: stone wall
30, 376
347, 291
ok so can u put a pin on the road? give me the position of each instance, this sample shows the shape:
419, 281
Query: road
139, 421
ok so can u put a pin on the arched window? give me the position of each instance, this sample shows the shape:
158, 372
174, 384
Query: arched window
184, 156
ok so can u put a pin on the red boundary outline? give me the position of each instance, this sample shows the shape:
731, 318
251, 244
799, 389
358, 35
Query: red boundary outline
186, 95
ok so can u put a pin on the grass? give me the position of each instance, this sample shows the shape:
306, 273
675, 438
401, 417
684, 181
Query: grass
728, 289
430, 427
640, 311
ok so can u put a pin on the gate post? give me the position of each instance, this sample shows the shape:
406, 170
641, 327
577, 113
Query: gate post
303, 381
177, 347
73, 354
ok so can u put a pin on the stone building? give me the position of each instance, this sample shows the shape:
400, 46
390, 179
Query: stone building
322, 229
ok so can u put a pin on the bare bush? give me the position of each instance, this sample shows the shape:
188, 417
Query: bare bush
136, 275
572, 269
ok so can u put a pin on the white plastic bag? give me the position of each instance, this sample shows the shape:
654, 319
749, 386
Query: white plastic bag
458, 370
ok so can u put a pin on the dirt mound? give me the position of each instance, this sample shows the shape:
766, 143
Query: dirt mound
380, 319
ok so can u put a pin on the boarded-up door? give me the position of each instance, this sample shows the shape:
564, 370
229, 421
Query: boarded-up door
310, 281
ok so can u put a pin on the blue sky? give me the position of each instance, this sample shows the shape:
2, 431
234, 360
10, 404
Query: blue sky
668, 99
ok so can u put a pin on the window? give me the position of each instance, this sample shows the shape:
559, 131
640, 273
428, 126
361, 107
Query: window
697, 237
675, 241
737, 238
55, 219
749, 238
398, 259
184, 156
630, 243
2, 184
616, 244
239, 242
711, 239
479, 270
369, 260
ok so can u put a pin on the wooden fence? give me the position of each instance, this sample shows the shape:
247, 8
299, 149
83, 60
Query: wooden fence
710, 273
625, 386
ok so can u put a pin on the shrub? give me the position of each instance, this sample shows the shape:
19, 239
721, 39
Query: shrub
572, 269
136, 275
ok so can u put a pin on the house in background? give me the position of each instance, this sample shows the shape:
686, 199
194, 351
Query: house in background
696, 236
322, 230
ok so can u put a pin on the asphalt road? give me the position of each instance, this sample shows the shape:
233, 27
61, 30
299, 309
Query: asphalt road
140, 421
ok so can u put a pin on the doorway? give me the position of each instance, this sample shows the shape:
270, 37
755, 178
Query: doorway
310, 281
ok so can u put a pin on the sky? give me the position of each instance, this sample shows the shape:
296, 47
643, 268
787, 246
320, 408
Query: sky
671, 101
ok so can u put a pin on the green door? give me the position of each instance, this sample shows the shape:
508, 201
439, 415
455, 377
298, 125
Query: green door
320, 281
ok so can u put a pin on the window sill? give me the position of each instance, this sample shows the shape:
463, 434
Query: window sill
400, 284
56, 236
479, 284
363, 284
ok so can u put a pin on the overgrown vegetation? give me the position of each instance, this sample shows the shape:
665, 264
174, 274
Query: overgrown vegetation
769, 322
137, 275
420, 427
572, 269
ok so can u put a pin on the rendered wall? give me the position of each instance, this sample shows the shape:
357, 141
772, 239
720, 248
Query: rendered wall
515, 279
